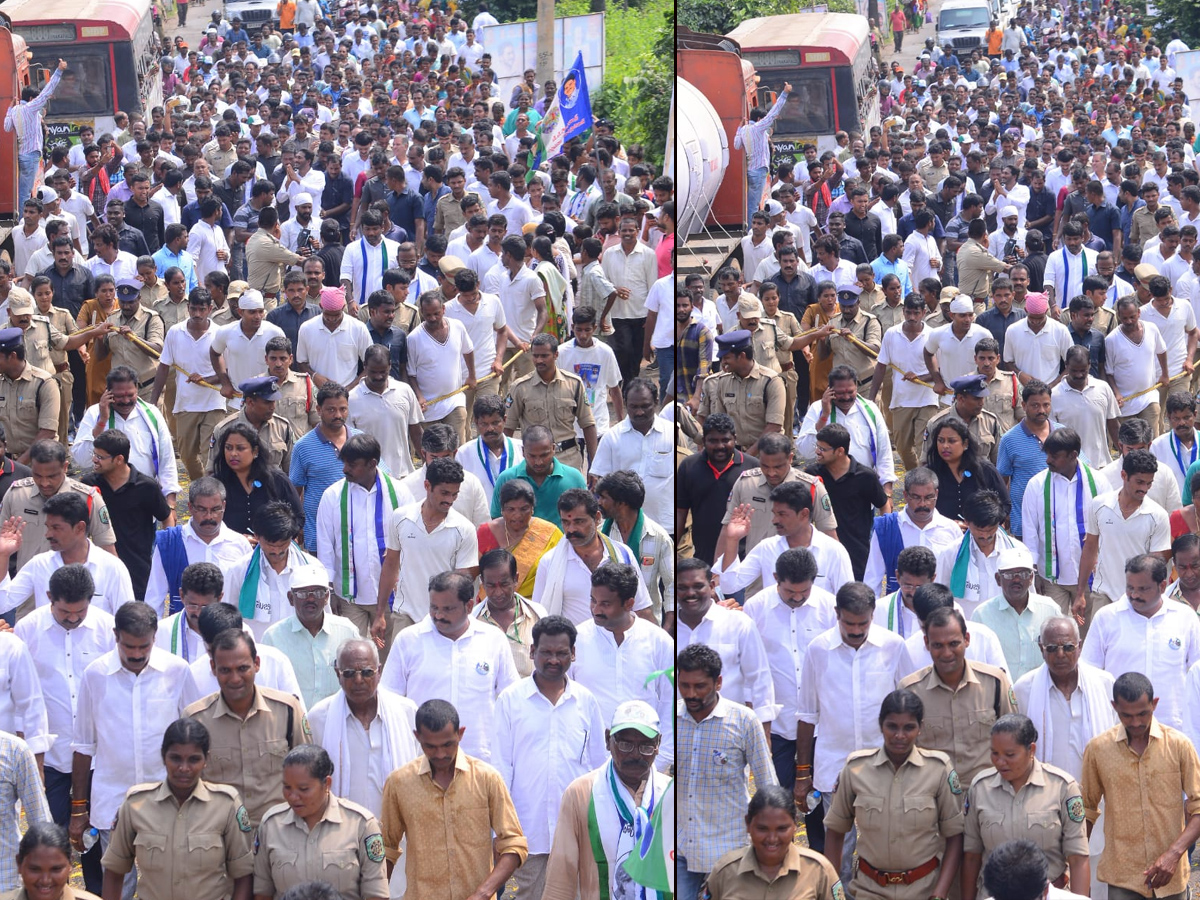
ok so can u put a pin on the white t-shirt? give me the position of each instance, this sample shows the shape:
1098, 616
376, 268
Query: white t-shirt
438, 367
898, 350
1174, 327
661, 301
1038, 354
597, 367
482, 326
1134, 367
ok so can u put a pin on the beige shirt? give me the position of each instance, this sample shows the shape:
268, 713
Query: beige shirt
25, 500
751, 487
804, 875
265, 261
557, 404
1144, 799
866, 328
903, 815
959, 721
203, 843
975, 269
984, 428
44, 341
146, 324
769, 341
172, 313
29, 403
1048, 810
888, 316
345, 849
753, 402
248, 754
298, 403
1004, 399
519, 634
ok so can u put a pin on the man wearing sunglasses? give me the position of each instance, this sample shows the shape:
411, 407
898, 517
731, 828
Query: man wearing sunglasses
1068, 701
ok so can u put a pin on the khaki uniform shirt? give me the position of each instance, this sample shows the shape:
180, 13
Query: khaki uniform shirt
1142, 227
751, 487
557, 405
804, 875
203, 843
1048, 810
344, 850
147, 325
64, 322
407, 318
152, 294
866, 328
984, 428
1105, 321
768, 341
28, 404
25, 500
276, 436
172, 313
867, 300
224, 315
448, 214
248, 754
265, 261
44, 341
219, 160
903, 815
888, 316
298, 403
1004, 399
937, 319
975, 269
959, 721
788, 326
753, 402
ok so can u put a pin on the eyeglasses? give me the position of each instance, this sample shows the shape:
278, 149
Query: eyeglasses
1054, 648
313, 594
100, 457
1019, 575
348, 674
643, 749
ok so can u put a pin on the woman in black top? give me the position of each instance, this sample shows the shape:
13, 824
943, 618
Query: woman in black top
960, 470
250, 482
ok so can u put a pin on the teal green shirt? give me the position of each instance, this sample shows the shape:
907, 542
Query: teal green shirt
561, 478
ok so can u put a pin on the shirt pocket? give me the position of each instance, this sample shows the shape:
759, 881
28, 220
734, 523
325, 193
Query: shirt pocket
940, 731
149, 849
223, 764
535, 412
291, 409
991, 829
868, 811
276, 749
1045, 830
284, 871
341, 869
659, 464
920, 813
27, 406
206, 853
756, 404
476, 831
980, 725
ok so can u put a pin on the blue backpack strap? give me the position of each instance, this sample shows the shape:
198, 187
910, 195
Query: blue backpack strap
887, 531
171, 550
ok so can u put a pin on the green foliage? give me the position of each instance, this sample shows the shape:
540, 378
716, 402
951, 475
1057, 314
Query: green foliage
722, 16
1177, 15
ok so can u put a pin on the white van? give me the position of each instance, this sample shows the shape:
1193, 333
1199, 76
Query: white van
963, 24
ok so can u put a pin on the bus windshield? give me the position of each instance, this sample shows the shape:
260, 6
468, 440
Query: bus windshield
86, 86
965, 17
809, 107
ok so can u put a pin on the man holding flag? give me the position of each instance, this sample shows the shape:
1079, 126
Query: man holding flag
568, 115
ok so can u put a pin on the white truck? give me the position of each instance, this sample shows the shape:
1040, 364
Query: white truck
963, 24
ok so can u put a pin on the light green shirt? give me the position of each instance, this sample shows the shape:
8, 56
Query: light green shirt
1018, 634
312, 656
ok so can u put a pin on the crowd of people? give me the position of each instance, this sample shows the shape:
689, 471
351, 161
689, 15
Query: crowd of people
940, 589
410, 633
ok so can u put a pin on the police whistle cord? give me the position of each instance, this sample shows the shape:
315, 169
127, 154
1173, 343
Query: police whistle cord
489, 377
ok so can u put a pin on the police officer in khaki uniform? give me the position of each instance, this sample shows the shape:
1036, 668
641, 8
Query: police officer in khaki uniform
184, 833
140, 321
768, 340
259, 398
1004, 390
856, 322
906, 802
762, 871
252, 728
970, 395
297, 394
408, 316
27, 498
750, 394
324, 839
963, 699
48, 337
788, 326
554, 398
1029, 800
29, 397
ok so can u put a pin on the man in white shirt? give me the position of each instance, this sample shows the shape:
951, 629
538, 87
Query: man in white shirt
596, 365
141, 687
538, 750
1134, 434
440, 441
1088, 406
920, 249
1120, 525
238, 348
1068, 267
451, 655
847, 672
1136, 359
1144, 632
66, 517
387, 409
484, 318
918, 524
206, 240
1179, 446
949, 351
515, 210
1176, 322
870, 441
62, 640
984, 647
524, 299
365, 260
1036, 346
644, 443
1008, 191
492, 452
433, 538
969, 568
441, 358
330, 347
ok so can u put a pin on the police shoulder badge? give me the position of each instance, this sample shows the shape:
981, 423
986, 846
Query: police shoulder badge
374, 846
1012, 698
839, 892
954, 782
243, 819
305, 727
104, 514
825, 504
1075, 808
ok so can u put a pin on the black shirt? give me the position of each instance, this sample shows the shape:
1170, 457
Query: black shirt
135, 508
705, 494
1036, 264
852, 250
1093, 340
72, 289
10, 471
149, 221
331, 256
854, 497
952, 493
240, 507
396, 340
796, 295
868, 230
132, 241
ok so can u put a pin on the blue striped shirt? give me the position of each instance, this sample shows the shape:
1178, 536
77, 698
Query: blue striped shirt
1019, 458
26, 118
753, 137
315, 466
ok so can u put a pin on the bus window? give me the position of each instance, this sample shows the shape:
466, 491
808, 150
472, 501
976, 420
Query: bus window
86, 86
809, 107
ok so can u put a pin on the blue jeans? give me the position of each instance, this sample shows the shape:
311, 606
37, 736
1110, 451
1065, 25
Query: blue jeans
687, 884
27, 167
666, 370
756, 182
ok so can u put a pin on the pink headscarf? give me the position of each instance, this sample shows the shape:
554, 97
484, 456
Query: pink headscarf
1035, 303
333, 299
